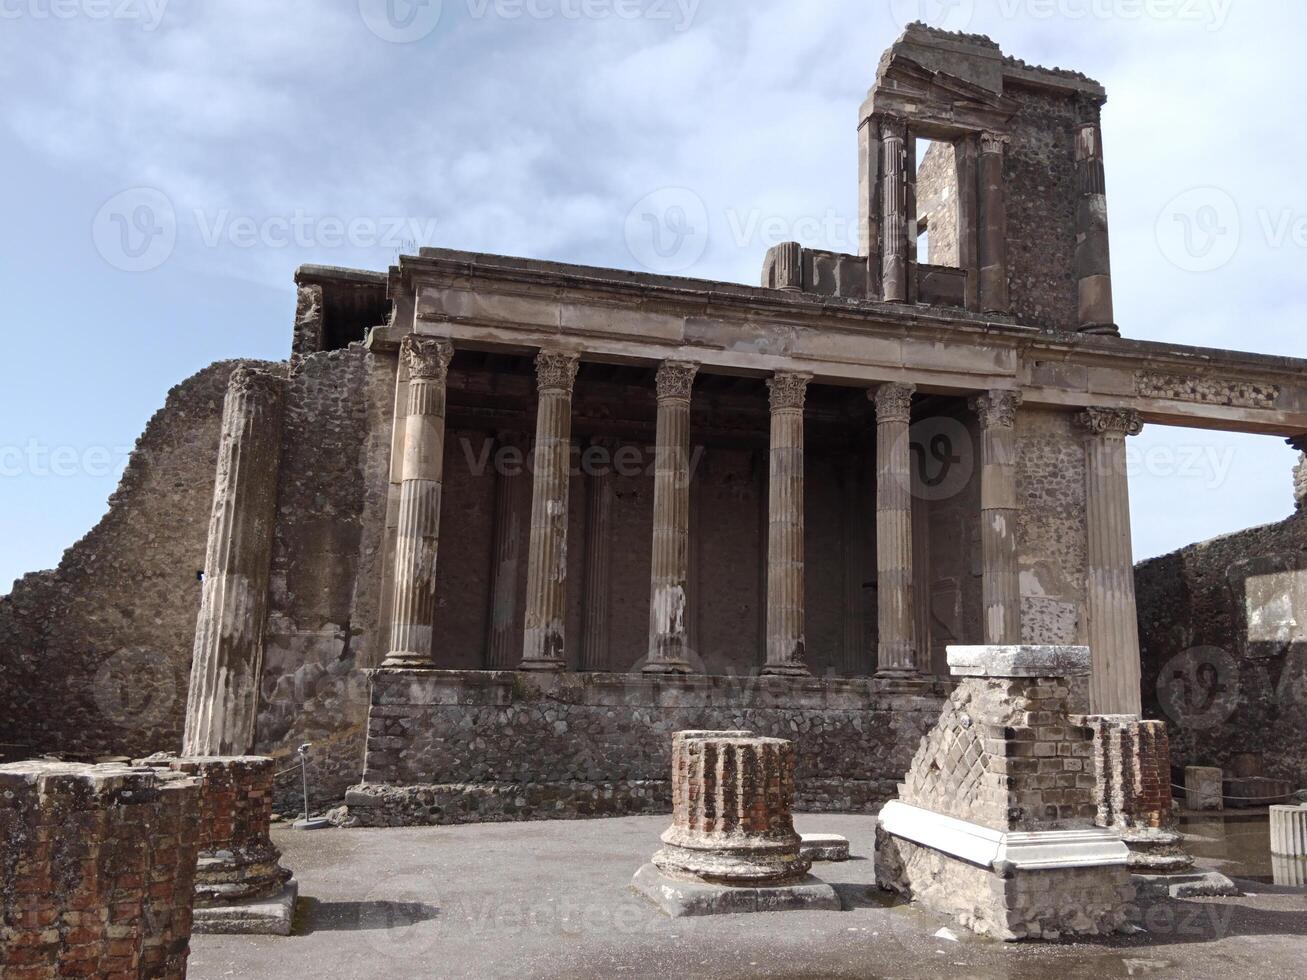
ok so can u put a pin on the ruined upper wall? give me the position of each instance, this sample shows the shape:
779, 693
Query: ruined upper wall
95, 655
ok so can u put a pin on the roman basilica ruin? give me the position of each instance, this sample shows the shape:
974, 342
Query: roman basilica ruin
501, 526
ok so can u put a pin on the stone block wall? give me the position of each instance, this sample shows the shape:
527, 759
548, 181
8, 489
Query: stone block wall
1223, 635
455, 746
97, 866
95, 655
937, 203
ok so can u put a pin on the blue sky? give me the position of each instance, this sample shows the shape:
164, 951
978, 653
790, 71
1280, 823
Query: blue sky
340, 133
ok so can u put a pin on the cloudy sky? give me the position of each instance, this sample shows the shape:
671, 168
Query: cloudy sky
167, 164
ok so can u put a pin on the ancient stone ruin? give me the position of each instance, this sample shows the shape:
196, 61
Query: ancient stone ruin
732, 846
995, 823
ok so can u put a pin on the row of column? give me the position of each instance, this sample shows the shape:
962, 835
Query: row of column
1110, 588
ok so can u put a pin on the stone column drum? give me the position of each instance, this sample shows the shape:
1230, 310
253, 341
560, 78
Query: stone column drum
1114, 683
1000, 585
669, 592
895, 657
228, 653
413, 617
99, 868
731, 819
785, 610
546, 581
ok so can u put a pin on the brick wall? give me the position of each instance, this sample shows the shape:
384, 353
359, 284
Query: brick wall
97, 869
1132, 767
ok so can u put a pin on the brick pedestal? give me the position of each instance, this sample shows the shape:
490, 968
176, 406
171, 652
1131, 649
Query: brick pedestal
731, 819
238, 868
98, 870
995, 821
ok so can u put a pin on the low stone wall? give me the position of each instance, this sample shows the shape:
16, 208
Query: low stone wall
97, 867
461, 746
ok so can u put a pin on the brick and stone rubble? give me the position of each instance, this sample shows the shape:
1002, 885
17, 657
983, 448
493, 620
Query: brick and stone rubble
1008, 760
97, 868
732, 824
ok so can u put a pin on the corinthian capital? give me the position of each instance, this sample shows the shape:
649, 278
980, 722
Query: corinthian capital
788, 389
893, 127
426, 358
556, 370
1102, 421
675, 380
894, 402
996, 409
993, 142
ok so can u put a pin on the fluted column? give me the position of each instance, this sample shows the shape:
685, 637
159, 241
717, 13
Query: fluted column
598, 552
992, 225
785, 639
1000, 585
668, 602
894, 217
223, 700
509, 550
413, 622
1093, 255
1113, 627
895, 654
546, 576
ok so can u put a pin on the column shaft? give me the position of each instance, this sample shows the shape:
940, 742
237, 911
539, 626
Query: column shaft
228, 654
1000, 585
1093, 254
1114, 683
510, 469
894, 217
785, 636
546, 589
992, 224
895, 656
669, 592
418, 533
598, 553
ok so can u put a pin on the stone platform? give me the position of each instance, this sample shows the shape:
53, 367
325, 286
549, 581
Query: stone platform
678, 897
448, 747
271, 916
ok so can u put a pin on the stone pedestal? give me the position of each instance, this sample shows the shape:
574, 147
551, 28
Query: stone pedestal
240, 885
732, 846
99, 869
994, 824
1202, 788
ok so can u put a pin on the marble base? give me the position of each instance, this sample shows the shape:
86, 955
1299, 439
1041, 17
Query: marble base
679, 898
